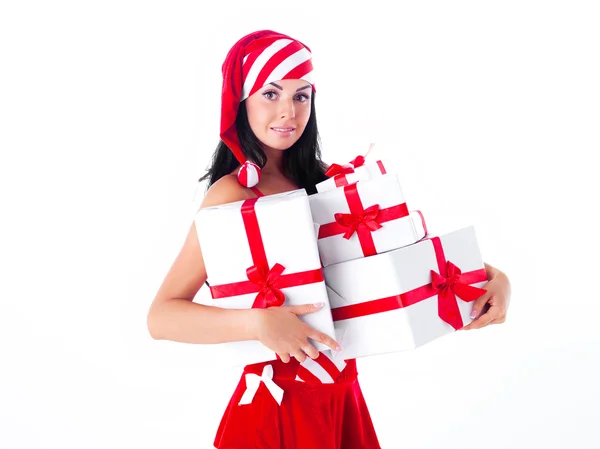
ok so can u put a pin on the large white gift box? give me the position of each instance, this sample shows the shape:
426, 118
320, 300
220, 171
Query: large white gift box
342, 175
405, 298
364, 219
260, 252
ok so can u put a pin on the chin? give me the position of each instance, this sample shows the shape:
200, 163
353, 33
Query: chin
283, 147
280, 146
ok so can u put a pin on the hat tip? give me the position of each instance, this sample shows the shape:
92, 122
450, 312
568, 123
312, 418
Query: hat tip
249, 174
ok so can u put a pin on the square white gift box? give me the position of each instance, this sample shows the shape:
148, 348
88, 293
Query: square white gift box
405, 298
363, 219
259, 252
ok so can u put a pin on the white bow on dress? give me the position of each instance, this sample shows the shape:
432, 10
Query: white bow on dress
253, 382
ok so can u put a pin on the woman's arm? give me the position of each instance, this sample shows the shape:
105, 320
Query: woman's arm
173, 315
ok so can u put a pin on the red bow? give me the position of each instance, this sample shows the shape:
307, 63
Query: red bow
448, 288
337, 169
358, 161
352, 221
269, 295
341, 170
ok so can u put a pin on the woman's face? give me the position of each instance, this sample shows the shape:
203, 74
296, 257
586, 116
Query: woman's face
279, 112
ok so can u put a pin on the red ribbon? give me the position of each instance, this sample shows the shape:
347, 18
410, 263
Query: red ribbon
449, 283
422, 221
366, 218
360, 220
339, 172
262, 280
269, 295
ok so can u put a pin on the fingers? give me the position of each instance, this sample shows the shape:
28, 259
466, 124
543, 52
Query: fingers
299, 355
303, 350
325, 339
310, 351
483, 320
478, 305
480, 309
305, 308
285, 358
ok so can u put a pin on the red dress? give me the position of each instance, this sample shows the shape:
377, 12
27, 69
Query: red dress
311, 415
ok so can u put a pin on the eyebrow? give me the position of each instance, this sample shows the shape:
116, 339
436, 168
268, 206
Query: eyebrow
297, 90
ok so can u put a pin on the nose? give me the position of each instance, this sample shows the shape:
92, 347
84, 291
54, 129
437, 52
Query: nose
288, 109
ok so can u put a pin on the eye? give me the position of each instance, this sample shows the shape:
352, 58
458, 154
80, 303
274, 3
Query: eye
269, 92
304, 97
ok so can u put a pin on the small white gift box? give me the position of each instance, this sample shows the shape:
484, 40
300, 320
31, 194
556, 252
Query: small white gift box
364, 219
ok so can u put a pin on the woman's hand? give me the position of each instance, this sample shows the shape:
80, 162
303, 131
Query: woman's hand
491, 308
280, 329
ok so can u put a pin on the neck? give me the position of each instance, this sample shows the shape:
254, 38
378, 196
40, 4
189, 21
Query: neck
274, 165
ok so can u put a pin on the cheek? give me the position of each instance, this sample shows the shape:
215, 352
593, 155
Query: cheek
257, 110
257, 120
305, 114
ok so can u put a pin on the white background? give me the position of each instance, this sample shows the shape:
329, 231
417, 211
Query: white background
109, 113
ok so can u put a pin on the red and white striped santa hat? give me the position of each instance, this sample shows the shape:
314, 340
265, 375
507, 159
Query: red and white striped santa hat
253, 62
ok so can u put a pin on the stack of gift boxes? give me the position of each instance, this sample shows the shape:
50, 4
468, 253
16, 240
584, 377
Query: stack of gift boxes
386, 283
392, 286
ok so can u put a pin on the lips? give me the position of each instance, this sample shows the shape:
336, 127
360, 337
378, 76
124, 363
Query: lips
283, 130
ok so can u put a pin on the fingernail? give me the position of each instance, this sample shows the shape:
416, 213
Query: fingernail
319, 304
473, 314
338, 348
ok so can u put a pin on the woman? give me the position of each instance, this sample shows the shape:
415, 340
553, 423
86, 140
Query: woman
268, 117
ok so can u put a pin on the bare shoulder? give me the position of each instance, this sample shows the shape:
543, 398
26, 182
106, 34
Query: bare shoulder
226, 190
